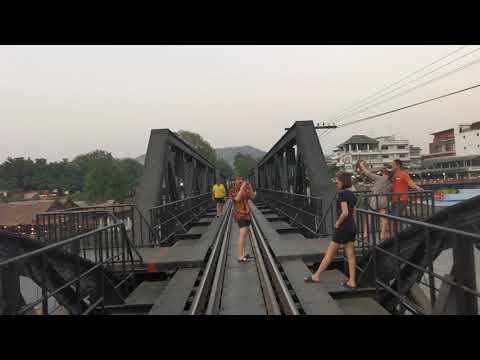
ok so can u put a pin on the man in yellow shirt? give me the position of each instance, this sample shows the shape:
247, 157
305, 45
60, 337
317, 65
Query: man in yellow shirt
218, 195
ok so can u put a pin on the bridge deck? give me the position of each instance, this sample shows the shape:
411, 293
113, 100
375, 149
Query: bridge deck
242, 294
173, 298
187, 253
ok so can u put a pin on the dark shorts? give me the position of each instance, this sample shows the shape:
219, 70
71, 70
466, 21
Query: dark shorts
220, 200
399, 209
343, 237
243, 223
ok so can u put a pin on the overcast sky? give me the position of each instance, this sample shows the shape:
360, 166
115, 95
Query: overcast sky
61, 101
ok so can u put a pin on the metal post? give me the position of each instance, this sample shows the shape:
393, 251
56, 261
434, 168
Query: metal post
431, 279
464, 272
43, 260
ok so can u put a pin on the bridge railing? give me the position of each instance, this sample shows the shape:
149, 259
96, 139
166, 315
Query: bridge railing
172, 218
56, 226
316, 215
306, 212
78, 274
394, 265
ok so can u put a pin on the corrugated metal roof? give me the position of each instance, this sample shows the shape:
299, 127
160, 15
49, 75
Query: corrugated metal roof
23, 212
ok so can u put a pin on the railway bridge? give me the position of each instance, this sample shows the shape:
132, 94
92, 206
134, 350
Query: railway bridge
168, 253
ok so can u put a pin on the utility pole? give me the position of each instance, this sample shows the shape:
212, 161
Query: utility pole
323, 126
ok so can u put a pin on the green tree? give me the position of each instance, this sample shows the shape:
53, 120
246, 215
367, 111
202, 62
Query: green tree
199, 144
224, 168
17, 173
243, 164
132, 171
104, 181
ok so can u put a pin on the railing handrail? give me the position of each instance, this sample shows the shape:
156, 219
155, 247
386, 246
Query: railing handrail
72, 212
420, 223
178, 201
61, 243
99, 206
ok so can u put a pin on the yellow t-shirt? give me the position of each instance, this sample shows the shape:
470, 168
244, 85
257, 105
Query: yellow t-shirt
218, 191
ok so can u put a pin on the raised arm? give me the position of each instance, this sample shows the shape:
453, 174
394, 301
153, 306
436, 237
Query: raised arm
413, 185
240, 193
366, 171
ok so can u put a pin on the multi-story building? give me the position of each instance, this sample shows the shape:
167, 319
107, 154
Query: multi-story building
377, 152
467, 139
415, 158
454, 153
443, 144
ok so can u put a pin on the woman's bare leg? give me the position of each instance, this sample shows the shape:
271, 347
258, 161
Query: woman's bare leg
352, 261
383, 226
221, 208
242, 242
326, 261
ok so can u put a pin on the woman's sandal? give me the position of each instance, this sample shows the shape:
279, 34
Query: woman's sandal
345, 285
243, 260
309, 279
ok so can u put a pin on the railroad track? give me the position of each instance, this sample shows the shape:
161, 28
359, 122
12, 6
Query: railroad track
276, 292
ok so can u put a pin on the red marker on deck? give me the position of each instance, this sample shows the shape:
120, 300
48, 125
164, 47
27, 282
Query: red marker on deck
151, 268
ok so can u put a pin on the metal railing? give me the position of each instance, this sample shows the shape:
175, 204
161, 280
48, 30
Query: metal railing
52, 227
317, 215
408, 257
306, 212
172, 218
82, 273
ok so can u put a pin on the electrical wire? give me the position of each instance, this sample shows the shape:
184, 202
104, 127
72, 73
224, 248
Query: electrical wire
350, 108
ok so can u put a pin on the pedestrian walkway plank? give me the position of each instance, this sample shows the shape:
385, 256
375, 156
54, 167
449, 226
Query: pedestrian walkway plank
306, 249
146, 293
361, 306
314, 299
173, 298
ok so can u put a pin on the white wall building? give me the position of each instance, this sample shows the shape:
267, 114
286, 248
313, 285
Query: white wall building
377, 152
467, 139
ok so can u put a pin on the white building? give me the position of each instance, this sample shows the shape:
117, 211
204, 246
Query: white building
467, 139
377, 152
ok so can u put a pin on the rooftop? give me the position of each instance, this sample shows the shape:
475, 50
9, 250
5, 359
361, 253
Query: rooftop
359, 139
441, 132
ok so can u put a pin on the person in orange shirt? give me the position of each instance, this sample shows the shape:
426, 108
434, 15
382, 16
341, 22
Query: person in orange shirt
241, 213
401, 182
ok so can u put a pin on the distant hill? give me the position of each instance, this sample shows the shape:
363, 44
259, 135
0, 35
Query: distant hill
228, 153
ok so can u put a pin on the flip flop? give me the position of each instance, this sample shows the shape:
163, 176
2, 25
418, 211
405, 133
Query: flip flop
345, 285
243, 260
309, 279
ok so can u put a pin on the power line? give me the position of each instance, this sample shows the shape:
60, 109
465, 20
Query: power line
360, 110
422, 84
409, 106
348, 109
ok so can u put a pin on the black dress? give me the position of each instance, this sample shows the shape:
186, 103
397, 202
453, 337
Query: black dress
347, 230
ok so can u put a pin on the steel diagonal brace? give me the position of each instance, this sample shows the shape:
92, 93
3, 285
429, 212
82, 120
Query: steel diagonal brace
178, 220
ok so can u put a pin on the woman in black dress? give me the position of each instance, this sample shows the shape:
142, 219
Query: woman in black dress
344, 231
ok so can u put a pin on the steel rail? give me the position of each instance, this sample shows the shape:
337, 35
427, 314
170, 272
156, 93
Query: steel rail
215, 296
286, 301
271, 303
202, 293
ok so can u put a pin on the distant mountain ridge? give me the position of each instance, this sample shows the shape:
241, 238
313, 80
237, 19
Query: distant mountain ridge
227, 153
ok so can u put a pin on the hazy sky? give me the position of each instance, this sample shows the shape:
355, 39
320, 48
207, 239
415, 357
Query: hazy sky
61, 101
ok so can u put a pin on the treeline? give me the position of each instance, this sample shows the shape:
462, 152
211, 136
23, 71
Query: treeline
96, 176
